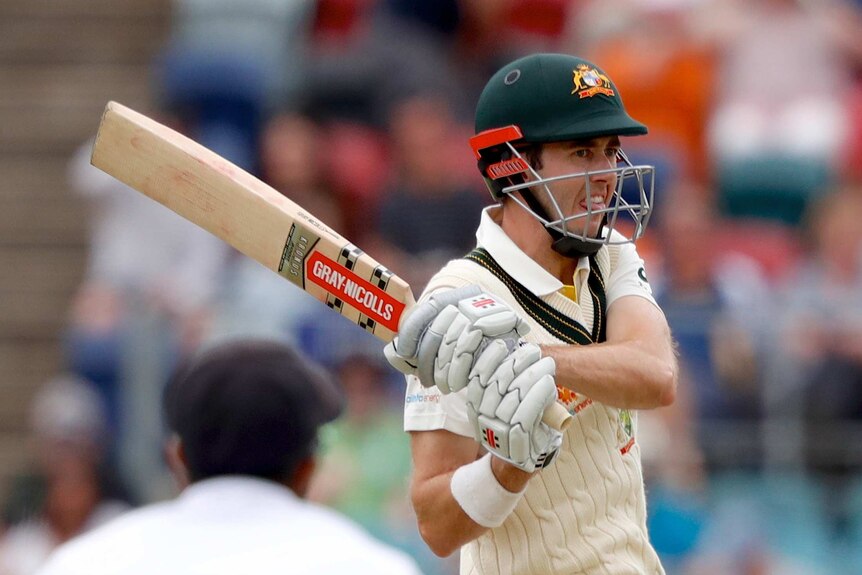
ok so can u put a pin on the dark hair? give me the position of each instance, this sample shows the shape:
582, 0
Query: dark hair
532, 153
249, 408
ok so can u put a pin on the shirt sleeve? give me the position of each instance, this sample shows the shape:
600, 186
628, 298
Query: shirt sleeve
628, 276
426, 409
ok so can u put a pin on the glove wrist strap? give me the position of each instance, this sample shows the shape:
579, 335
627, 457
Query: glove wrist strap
476, 489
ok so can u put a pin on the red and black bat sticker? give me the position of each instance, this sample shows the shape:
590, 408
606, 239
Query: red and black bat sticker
300, 263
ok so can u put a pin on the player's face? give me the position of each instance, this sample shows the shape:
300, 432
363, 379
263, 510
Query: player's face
588, 193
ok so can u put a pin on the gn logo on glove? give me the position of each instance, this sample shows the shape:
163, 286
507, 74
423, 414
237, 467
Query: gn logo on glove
491, 439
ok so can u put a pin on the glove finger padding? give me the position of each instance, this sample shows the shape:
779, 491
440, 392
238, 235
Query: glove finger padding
530, 437
521, 394
432, 340
414, 325
506, 398
405, 365
484, 318
455, 355
493, 317
442, 338
503, 403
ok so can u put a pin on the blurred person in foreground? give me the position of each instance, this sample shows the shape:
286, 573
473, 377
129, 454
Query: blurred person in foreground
244, 418
71, 487
552, 305
365, 456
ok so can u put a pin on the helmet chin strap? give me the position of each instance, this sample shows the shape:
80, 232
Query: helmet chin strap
564, 245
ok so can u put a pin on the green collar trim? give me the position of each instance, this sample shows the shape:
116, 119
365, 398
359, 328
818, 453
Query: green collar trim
562, 327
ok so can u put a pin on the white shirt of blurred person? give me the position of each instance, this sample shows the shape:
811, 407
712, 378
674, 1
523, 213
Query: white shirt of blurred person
569, 305
138, 248
245, 417
69, 422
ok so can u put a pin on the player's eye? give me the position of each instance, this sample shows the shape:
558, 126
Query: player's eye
613, 153
584, 153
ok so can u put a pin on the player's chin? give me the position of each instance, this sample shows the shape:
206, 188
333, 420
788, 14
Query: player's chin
587, 227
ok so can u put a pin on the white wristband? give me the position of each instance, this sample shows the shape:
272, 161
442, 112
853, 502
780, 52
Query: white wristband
480, 495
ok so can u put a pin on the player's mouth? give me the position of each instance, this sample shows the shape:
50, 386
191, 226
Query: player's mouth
594, 202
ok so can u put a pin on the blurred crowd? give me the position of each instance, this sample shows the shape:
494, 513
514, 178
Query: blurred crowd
360, 110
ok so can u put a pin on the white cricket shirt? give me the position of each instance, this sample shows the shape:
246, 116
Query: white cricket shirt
586, 513
230, 525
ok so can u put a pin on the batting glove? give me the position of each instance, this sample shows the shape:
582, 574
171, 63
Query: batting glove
506, 397
441, 338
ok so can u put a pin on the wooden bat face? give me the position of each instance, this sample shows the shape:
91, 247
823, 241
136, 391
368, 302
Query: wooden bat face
251, 216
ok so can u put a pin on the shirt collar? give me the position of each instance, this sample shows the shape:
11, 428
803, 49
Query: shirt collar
513, 260
242, 489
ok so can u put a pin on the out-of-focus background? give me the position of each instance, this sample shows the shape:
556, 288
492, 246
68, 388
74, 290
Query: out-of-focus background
360, 111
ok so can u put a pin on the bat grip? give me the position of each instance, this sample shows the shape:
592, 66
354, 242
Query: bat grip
557, 417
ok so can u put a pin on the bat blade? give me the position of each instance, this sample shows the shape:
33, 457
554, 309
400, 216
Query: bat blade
257, 220
251, 216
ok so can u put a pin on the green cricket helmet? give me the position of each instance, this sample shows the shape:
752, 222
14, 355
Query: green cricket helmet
545, 98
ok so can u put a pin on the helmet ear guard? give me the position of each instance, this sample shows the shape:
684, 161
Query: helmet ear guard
500, 169
495, 159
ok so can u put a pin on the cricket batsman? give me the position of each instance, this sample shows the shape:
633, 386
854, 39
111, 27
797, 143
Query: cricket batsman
552, 305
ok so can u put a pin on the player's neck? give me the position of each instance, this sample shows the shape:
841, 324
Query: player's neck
529, 235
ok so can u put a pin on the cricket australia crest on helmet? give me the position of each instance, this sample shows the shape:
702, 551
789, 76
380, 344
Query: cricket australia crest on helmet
589, 81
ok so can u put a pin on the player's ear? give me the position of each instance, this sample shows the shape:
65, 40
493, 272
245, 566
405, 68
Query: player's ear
301, 479
175, 455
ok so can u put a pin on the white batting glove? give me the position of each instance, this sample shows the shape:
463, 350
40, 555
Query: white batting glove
506, 397
441, 338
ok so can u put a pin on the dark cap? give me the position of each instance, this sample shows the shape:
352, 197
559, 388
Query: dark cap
249, 408
552, 98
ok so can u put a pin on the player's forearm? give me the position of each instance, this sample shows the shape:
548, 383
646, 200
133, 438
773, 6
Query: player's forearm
443, 524
625, 374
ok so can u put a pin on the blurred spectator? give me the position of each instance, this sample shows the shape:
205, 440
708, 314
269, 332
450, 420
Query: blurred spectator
441, 17
144, 302
71, 486
356, 72
713, 305
366, 458
843, 18
821, 334
675, 476
228, 64
430, 211
780, 122
667, 73
255, 301
292, 152
493, 33
244, 419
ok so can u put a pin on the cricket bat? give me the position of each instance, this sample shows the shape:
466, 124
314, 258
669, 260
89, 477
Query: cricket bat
258, 221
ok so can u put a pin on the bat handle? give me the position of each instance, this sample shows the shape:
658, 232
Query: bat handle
557, 417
